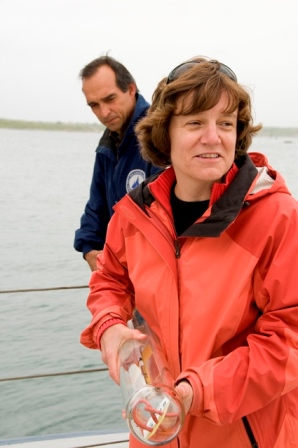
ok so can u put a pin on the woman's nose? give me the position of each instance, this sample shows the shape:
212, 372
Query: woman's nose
210, 135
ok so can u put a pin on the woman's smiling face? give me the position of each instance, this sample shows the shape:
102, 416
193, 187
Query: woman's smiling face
202, 149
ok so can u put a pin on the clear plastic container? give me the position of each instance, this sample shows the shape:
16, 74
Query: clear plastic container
153, 409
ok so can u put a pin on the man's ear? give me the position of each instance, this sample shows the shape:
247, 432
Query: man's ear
132, 89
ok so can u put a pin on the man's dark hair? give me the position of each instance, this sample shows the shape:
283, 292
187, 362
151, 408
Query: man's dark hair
123, 76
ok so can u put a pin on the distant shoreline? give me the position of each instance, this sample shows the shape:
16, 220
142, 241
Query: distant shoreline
97, 127
50, 126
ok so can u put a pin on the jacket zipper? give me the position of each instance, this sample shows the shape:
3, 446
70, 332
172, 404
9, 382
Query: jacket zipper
249, 432
177, 248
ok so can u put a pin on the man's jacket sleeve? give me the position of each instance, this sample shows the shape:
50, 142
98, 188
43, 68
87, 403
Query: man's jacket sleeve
92, 232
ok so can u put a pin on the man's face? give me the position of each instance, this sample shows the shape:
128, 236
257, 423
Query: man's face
111, 106
202, 149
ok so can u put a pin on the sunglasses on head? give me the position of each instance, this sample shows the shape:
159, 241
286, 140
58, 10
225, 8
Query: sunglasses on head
181, 68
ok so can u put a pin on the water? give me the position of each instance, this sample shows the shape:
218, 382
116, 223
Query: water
45, 179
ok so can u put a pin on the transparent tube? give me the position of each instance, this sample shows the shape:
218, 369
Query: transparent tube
153, 409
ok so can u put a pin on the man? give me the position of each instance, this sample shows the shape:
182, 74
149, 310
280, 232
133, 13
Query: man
112, 94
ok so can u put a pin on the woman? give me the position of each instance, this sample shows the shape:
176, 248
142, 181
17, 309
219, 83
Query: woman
207, 252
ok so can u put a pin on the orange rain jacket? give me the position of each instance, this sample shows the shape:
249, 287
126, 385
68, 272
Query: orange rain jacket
222, 298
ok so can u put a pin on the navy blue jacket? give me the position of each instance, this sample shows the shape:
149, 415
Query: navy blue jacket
113, 177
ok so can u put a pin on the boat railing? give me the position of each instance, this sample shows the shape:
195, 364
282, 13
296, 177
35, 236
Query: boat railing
102, 440
43, 375
55, 288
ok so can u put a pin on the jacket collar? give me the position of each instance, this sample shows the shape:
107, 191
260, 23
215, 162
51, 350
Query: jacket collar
227, 198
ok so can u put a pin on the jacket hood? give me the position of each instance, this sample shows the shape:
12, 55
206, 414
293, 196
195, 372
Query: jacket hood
269, 180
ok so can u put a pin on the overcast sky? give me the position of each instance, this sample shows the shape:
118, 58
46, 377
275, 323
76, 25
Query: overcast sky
45, 43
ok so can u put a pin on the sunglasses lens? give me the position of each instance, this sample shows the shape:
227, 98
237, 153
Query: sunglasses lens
187, 65
228, 72
179, 70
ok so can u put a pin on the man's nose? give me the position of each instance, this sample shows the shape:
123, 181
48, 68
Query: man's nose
104, 110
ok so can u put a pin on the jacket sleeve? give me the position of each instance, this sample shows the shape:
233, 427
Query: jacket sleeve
92, 232
255, 374
111, 295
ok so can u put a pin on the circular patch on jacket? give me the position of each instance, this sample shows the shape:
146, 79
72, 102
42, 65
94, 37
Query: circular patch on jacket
134, 178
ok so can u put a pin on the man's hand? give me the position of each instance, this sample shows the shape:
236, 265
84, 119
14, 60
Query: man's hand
91, 258
111, 341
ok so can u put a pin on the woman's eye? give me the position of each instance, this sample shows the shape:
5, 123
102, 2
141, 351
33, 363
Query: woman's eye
194, 123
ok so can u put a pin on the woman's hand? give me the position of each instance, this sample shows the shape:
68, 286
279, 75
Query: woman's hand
111, 341
185, 391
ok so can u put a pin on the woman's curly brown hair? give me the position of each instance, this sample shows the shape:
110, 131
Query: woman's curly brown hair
199, 88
